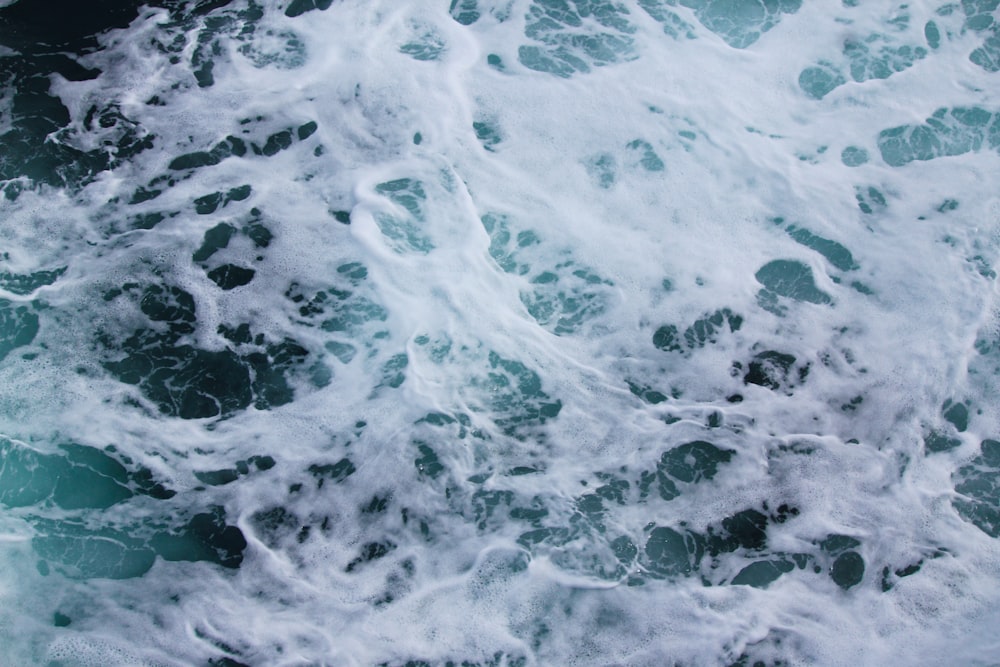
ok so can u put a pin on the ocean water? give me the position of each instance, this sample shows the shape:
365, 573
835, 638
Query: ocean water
499, 332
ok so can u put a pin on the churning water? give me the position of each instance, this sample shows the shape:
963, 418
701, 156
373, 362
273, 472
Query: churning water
499, 332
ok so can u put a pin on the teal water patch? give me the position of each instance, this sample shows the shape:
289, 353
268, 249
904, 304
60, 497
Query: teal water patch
944, 437
820, 79
514, 396
740, 24
978, 486
351, 321
789, 279
867, 62
564, 298
870, 199
762, 573
980, 17
79, 551
82, 482
280, 49
603, 169
673, 24
426, 45
573, 36
777, 371
26, 283
947, 132
864, 62
28, 158
299, 7
506, 248
404, 231
878, 55
220, 268
18, 326
690, 463
488, 133
642, 153
224, 476
703, 331
932, 34
77, 477
839, 256
192, 383
465, 12
854, 156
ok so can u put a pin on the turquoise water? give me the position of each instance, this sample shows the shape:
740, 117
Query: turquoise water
499, 332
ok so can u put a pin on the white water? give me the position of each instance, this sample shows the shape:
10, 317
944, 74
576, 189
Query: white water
457, 584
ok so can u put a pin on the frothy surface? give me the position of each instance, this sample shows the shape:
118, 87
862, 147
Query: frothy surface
499, 332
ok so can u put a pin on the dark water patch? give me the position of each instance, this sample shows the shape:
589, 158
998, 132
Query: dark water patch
947, 132
426, 46
819, 80
428, 463
515, 397
404, 231
300, 7
978, 486
790, 279
333, 472
891, 576
957, 413
848, 569
854, 156
875, 56
739, 25
206, 537
488, 133
192, 383
505, 245
465, 12
870, 199
673, 24
669, 553
369, 552
980, 18
690, 463
704, 331
776, 371
344, 309
694, 462
244, 467
641, 151
945, 437
86, 482
839, 256
231, 276
211, 202
216, 238
648, 394
229, 147
18, 326
761, 574
45, 47
44, 146
565, 299
573, 36
77, 477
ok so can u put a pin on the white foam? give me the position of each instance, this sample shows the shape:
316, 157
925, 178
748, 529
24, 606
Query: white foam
761, 149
